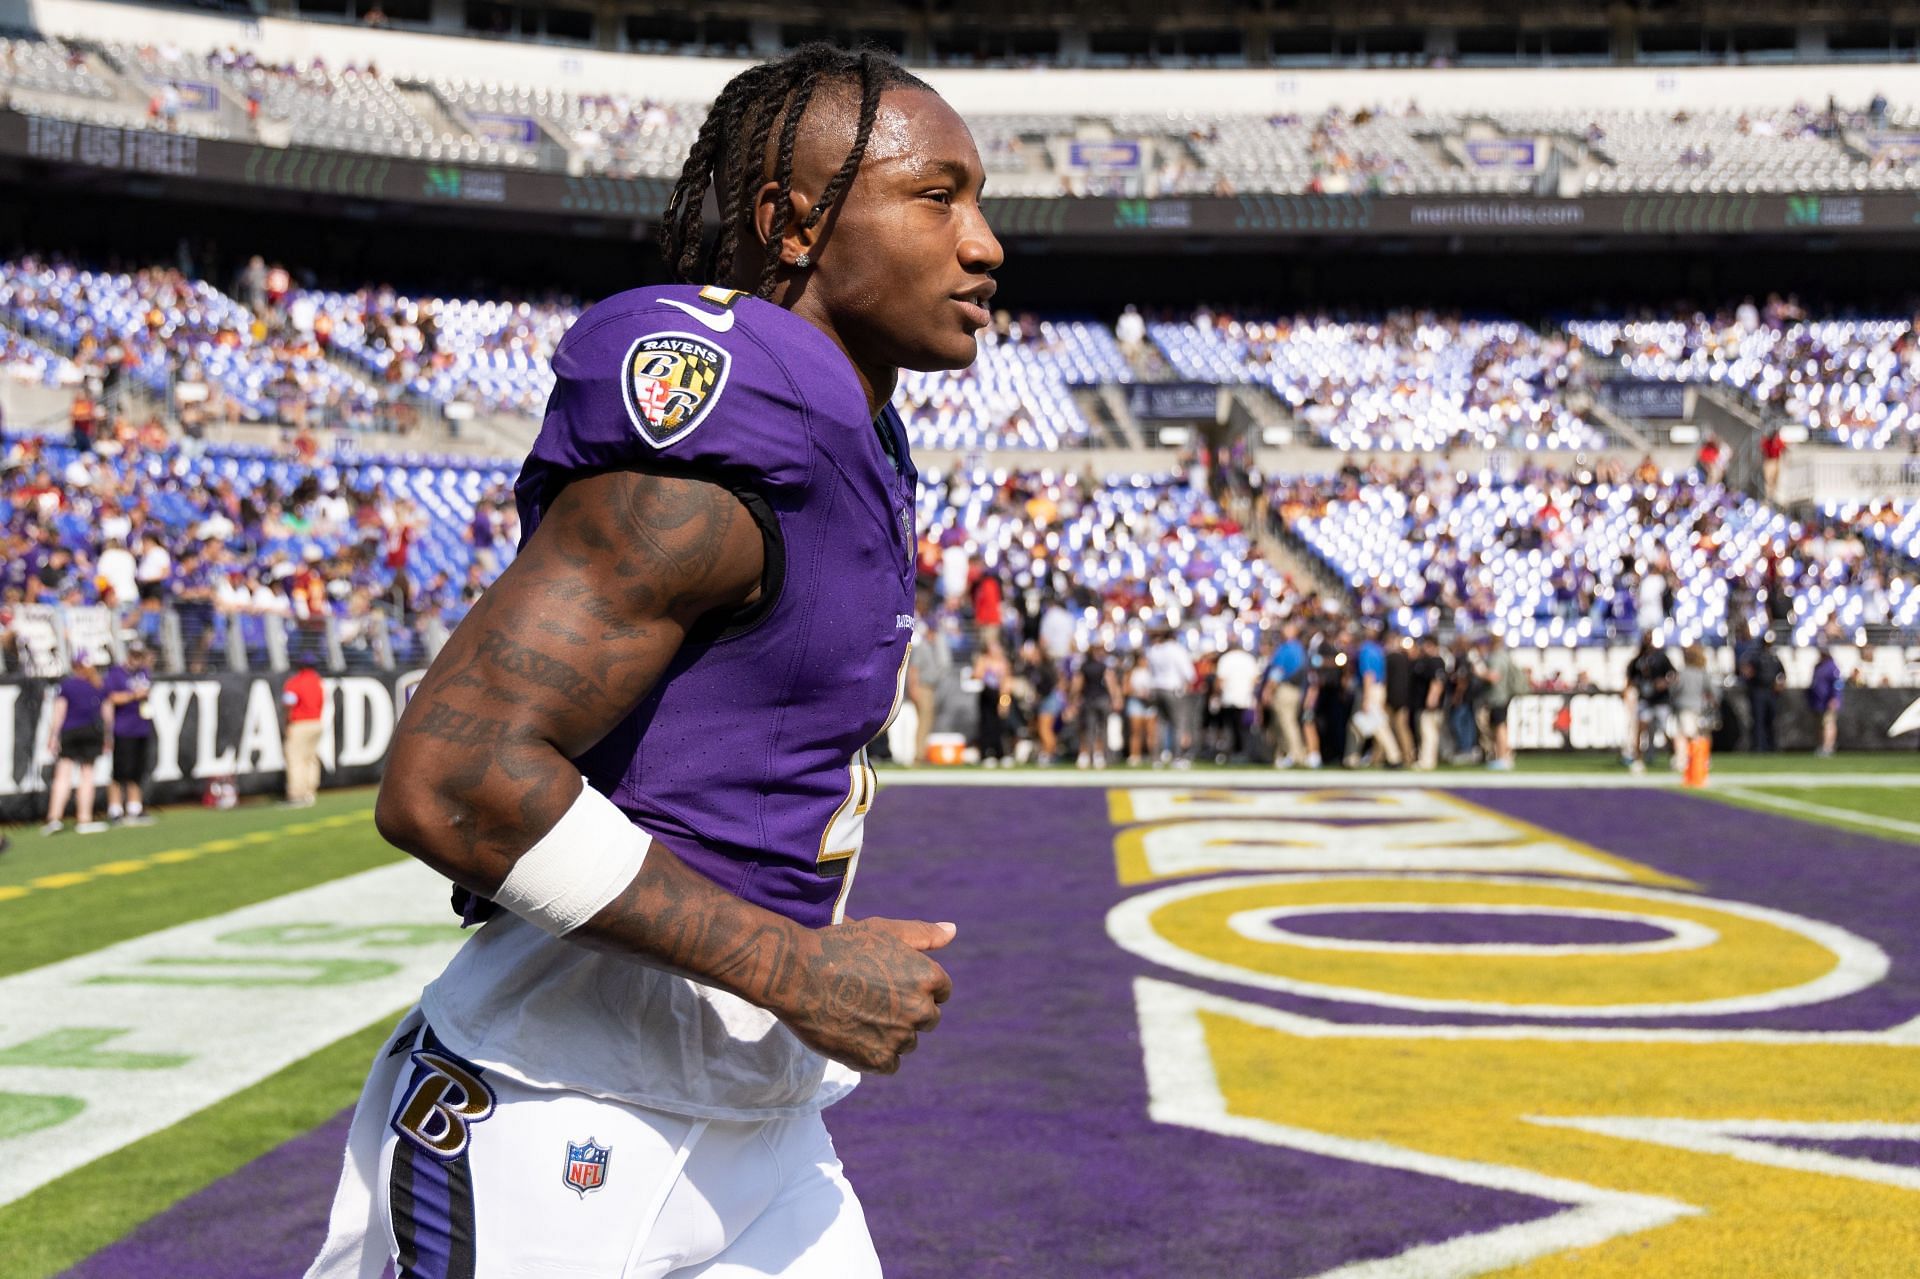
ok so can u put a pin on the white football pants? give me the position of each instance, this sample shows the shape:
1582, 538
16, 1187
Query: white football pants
455, 1173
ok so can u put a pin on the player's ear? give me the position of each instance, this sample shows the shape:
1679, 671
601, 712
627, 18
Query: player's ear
797, 239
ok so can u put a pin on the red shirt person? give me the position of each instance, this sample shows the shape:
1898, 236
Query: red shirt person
305, 698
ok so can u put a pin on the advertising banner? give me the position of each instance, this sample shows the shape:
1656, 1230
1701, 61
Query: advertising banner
1871, 719
207, 728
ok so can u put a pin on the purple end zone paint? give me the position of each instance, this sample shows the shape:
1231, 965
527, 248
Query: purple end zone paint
1467, 927
1016, 1140
265, 1220
1898, 1152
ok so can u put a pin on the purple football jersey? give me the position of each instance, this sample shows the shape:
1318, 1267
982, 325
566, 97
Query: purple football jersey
748, 757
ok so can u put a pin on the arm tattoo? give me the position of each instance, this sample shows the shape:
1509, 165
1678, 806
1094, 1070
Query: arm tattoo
530, 664
553, 656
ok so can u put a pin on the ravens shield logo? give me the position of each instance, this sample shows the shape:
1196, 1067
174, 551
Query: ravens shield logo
671, 382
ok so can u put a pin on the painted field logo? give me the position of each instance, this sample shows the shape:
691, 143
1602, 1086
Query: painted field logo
586, 1166
671, 382
1582, 1070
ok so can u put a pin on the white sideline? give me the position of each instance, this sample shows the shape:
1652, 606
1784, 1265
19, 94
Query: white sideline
1342, 779
1875, 820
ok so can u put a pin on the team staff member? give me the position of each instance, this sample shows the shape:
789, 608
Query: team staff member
306, 702
621, 1074
127, 688
80, 738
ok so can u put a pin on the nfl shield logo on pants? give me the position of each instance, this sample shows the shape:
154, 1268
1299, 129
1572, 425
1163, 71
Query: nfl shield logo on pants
586, 1166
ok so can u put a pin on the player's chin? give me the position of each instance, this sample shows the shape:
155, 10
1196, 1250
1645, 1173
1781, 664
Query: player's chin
942, 352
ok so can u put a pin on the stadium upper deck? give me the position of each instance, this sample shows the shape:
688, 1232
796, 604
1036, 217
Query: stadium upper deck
1218, 133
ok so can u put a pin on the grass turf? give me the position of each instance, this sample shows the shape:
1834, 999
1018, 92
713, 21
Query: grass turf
71, 1218
1895, 803
67, 895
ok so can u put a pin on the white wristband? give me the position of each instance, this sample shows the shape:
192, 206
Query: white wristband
579, 866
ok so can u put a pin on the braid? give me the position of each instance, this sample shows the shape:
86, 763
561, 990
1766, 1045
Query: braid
729, 156
749, 142
869, 108
681, 224
783, 174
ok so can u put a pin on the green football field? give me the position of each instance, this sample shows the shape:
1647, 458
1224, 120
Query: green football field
66, 898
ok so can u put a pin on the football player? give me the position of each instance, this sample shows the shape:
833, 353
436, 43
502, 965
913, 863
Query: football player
641, 758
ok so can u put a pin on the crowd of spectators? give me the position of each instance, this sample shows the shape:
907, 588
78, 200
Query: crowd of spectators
135, 528
1853, 381
1598, 555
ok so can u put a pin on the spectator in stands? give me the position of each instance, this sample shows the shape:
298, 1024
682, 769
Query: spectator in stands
1692, 703
1764, 676
153, 568
79, 715
1096, 690
1287, 675
304, 698
1773, 450
83, 418
128, 687
1131, 330
1651, 673
1506, 679
117, 574
1824, 695
995, 676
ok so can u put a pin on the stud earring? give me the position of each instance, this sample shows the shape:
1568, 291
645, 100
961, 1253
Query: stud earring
802, 262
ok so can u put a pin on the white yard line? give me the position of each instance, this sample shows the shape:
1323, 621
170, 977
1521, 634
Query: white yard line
1784, 804
1341, 779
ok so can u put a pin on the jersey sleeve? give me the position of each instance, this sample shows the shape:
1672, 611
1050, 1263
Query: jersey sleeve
679, 378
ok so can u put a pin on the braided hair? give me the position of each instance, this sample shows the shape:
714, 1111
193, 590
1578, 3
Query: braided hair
729, 156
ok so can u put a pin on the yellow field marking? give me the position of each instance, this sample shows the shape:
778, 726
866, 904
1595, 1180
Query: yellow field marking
175, 856
1636, 870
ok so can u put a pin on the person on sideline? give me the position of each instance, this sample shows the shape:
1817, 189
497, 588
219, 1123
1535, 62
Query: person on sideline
79, 739
1287, 675
1506, 680
1824, 696
127, 688
1692, 699
305, 700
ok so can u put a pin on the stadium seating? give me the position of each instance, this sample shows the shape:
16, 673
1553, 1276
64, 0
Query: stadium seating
26, 360
1018, 394
1546, 562
493, 354
1358, 149
1409, 380
190, 498
1127, 554
1854, 382
173, 328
